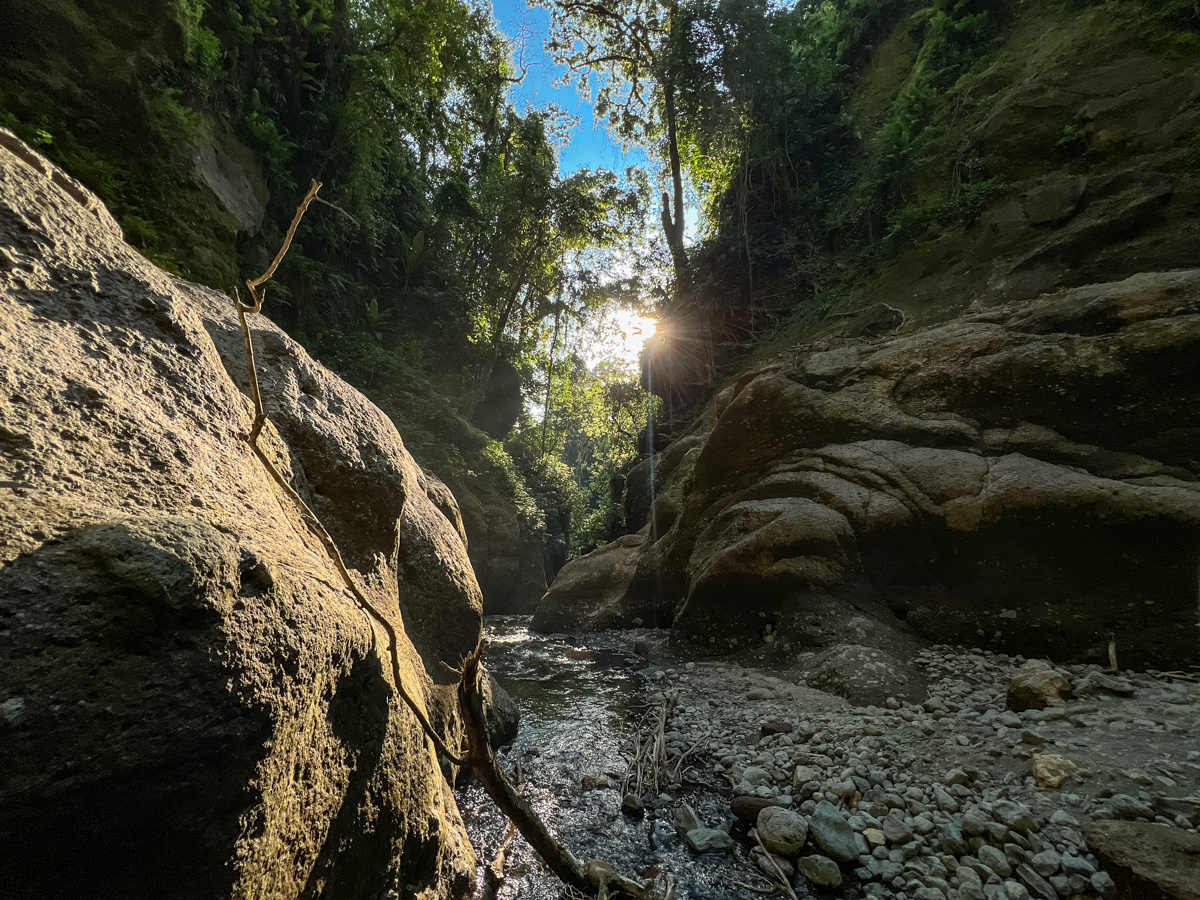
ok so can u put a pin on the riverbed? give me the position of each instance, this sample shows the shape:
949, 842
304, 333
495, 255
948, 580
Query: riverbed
580, 698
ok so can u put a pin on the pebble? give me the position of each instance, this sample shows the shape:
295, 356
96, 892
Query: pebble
1004, 820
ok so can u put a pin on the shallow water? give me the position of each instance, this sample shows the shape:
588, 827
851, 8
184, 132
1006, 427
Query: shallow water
580, 696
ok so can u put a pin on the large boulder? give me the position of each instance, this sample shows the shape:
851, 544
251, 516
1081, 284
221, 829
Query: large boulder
503, 716
195, 706
866, 676
1148, 861
1021, 478
591, 592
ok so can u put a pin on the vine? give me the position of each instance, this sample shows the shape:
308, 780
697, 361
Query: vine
257, 294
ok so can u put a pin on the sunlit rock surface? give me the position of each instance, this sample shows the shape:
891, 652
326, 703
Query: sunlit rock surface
1022, 477
193, 705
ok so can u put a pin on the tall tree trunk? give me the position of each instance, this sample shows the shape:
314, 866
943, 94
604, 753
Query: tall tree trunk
673, 225
550, 378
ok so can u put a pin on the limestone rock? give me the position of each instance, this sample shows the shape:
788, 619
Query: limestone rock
1051, 770
685, 819
895, 829
748, 808
866, 676
632, 806
782, 830
820, 870
589, 594
772, 865
817, 497
1147, 860
1036, 685
503, 714
832, 833
189, 646
708, 840
234, 174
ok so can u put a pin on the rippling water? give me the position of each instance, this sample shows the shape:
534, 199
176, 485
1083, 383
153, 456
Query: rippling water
579, 697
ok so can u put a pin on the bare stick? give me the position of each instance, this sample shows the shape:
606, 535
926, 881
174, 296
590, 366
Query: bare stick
307, 515
496, 783
257, 296
596, 877
787, 886
493, 875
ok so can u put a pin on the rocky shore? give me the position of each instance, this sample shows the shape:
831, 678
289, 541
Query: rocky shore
957, 797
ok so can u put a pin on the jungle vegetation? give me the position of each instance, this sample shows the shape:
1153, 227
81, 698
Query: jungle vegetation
454, 242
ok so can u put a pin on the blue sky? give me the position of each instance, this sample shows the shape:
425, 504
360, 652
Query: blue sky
590, 147
621, 333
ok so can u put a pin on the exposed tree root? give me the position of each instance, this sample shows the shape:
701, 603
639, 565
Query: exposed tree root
594, 878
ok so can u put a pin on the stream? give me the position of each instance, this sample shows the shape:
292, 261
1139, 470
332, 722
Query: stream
580, 698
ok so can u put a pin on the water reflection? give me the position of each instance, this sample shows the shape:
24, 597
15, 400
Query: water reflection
578, 696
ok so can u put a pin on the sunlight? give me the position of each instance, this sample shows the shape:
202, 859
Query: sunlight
620, 337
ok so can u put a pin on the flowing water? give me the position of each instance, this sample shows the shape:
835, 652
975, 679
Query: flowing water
580, 698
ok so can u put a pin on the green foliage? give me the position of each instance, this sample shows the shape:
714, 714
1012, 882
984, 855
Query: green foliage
1172, 26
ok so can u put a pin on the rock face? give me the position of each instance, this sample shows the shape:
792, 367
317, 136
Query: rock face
507, 559
1147, 860
589, 593
497, 412
1020, 478
194, 705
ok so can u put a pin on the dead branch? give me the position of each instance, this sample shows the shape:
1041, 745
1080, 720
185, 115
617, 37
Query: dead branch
649, 765
307, 515
787, 885
493, 875
594, 878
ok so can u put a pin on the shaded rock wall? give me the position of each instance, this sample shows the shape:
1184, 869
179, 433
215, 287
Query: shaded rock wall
507, 559
193, 706
1091, 130
1022, 477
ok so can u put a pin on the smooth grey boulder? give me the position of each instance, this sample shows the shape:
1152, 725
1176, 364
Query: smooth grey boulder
708, 840
832, 833
820, 870
782, 830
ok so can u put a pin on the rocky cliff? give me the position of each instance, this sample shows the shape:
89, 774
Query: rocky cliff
1022, 477
982, 430
193, 705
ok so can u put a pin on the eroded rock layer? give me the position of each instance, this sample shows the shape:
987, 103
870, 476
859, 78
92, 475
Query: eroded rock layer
193, 705
1021, 477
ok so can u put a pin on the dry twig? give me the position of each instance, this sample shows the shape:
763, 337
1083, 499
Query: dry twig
307, 515
787, 885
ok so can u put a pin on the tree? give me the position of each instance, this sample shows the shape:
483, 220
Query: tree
622, 51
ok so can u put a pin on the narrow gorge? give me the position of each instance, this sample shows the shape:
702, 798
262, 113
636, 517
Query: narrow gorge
874, 573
